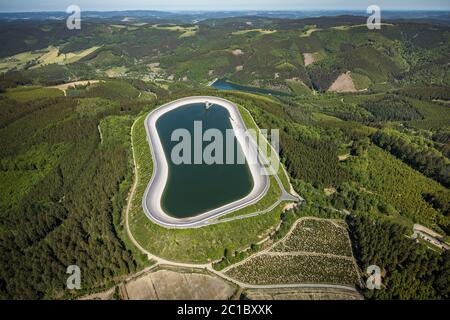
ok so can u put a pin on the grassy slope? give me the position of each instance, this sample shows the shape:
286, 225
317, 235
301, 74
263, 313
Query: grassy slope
24, 94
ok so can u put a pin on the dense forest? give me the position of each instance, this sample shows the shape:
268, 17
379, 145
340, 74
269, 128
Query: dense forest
421, 157
64, 215
392, 108
427, 92
409, 269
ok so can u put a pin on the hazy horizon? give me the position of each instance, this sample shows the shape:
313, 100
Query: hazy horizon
220, 5
230, 10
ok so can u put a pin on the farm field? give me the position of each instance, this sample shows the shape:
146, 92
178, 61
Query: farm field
313, 251
269, 269
185, 31
39, 58
320, 236
172, 285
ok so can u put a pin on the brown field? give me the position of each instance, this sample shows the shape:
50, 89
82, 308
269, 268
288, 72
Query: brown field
70, 85
313, 251
65, 86
171, 285
308, 59
238, 52
343, 83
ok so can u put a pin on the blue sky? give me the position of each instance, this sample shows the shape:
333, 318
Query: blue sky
106, 5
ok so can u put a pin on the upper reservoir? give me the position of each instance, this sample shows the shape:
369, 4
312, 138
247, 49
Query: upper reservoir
224, 84
192, 189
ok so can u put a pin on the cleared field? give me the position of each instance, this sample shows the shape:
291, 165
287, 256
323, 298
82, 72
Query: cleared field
301, 294
267, 269
347, 27
185, 31
343, 83
18, 61
118, 26
116, 71
308, 32
35, 59
171, 285
308, 59
28, 93
261, 31
320, 236
312, 57
68, 85
54, 56
314, 251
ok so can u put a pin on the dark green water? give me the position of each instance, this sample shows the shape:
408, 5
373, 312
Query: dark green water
192, 189
223, 84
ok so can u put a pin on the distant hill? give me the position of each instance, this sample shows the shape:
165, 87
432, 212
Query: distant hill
190, 16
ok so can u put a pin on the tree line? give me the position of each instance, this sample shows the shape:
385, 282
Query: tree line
392, 108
